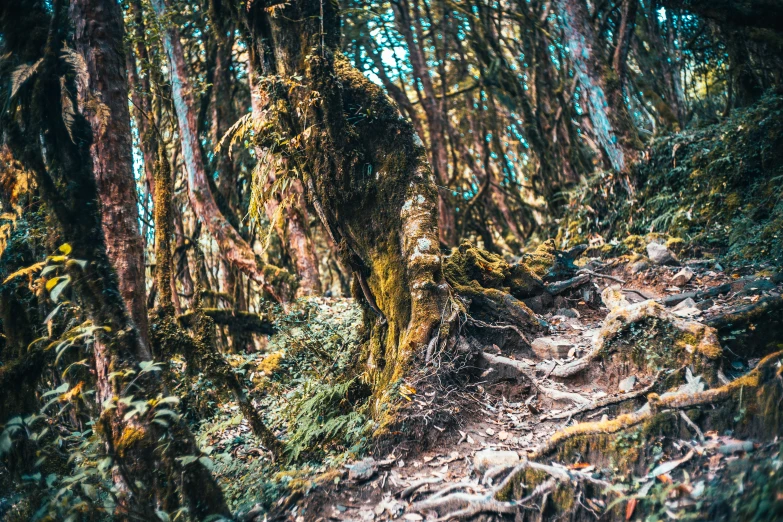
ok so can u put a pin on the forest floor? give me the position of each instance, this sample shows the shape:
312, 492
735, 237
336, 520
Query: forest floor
504, 417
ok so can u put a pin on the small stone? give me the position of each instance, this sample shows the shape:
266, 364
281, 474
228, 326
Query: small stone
567, 312
486, 459
686, 308
639, 266
613, 297
683, 277
490, 431
575, 352
362, 470
551, 348
627, 384
660, 255
687, 303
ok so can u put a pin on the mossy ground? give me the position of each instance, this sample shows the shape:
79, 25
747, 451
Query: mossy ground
715, 189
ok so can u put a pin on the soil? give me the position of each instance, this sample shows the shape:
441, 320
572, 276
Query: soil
507, 414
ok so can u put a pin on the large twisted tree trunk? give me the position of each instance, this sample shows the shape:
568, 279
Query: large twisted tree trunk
369, 180
104, 101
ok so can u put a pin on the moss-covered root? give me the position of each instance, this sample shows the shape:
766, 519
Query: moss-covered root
748, 405
651, 338
491, 286
752, 398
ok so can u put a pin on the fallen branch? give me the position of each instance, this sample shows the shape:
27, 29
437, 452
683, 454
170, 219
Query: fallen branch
482, 324
604, 276
561, 286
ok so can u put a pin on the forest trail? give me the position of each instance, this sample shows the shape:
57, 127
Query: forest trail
506, 418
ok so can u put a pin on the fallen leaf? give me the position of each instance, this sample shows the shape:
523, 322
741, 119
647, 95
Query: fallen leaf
412, 516
667, 467
629, 508
503, 435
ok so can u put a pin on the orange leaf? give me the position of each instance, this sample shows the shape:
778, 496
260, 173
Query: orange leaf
629, 508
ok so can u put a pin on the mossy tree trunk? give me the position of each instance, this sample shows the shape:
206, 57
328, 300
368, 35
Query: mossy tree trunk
368, 178
53, 140
103, 99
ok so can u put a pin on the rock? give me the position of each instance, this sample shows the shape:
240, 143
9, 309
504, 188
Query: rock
613, 297
362, 470
540, 303
758, 286
686, 308
683, 277
627, 384
639, 266
551, 348
682, 305
487, 459
660, 255
567, 312
575, 352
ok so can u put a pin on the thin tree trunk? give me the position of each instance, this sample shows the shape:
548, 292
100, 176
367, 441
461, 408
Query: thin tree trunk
611, 127
433, 112
275, 281
104, 101
294, 230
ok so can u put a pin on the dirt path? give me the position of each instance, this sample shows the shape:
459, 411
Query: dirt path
508, 417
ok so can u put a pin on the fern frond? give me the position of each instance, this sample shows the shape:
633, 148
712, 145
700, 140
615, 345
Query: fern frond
68, 110
26, 271
235, 133
23, 73
79, 66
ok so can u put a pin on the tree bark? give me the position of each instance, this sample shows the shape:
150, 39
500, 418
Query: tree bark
369, 181
275, 281
99, 36
67, 184
611, 126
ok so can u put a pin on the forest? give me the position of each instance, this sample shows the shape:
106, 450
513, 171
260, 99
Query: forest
370, 260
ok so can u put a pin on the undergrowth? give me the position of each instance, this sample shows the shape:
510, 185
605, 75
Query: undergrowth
717, 188
307, 382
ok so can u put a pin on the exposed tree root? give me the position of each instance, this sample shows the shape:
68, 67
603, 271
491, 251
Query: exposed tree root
766, 373
462, 505
606, 401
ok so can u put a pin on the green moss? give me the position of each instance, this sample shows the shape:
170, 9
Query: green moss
713, 187
131, 436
